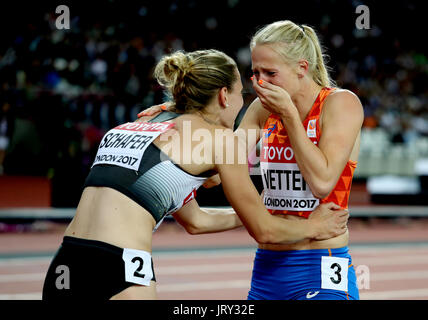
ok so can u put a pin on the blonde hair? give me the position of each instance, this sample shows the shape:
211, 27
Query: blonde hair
294, 42
192, 79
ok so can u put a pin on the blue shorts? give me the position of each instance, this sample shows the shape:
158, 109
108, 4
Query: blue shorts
319, 274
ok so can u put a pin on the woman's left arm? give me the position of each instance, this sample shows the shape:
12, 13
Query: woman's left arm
342, 119
322, 165
208, 220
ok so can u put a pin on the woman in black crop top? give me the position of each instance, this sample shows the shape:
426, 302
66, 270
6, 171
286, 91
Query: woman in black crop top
152, 167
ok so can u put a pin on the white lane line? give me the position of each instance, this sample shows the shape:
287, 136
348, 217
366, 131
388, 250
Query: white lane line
205, 285
399, 275
210, 269
22, 277
24, 261
161, 255
242, 284
244, 266
397, 260
176, 270
395, 294
21, 296
238, 253
397, 249
160, 271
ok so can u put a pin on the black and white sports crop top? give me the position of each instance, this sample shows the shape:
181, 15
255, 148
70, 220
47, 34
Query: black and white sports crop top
130, 163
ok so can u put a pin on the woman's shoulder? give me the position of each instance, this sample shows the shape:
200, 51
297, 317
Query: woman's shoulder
342, 94
343, 100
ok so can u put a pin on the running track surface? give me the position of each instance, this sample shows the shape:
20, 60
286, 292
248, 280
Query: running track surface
390, 255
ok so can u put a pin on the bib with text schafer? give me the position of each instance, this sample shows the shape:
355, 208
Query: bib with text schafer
125, 144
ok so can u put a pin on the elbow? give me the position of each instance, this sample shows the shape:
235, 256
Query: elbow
263, 236
320, 193
265, 231
322, 189
274, 233
193, 229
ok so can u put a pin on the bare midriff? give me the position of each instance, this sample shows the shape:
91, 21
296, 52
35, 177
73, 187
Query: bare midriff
107, 215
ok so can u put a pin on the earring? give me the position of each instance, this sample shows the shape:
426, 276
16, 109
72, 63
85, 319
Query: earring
227, 105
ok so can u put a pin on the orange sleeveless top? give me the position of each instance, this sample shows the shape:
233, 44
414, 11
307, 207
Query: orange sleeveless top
285, 190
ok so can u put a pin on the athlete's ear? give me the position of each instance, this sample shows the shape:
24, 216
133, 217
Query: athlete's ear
222, 97
302, 68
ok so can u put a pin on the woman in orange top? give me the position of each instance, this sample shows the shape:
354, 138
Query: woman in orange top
310, 145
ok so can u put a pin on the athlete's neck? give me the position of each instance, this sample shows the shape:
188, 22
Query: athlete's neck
304, 99
210, 114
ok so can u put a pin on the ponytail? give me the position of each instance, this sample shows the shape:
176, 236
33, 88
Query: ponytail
321, 71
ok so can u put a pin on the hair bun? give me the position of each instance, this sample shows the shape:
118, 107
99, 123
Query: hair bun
177, 66
192, 79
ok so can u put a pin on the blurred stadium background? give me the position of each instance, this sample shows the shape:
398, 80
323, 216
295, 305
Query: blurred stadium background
61, 90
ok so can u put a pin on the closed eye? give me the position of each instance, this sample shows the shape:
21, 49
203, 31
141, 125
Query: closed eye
269, 73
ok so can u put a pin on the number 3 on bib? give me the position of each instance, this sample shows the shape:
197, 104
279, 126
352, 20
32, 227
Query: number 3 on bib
334, 273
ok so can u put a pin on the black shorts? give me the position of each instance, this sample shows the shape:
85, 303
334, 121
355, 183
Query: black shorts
89, 269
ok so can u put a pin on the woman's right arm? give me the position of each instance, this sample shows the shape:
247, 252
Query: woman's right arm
249, 129
251, 126
266, 228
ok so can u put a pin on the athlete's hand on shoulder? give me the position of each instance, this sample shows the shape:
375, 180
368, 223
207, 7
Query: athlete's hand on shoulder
212, 181
274, 98
329, 221
155, 109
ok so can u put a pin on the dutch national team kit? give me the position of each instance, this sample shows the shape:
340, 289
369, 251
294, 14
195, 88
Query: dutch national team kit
129, 162
299, 274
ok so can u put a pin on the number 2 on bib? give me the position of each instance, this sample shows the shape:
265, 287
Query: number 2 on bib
138, 266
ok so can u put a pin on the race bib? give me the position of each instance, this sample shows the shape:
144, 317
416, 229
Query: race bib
138, 266
285, 188
334, 273
124, 145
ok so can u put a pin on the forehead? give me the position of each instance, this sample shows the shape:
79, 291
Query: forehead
264, 57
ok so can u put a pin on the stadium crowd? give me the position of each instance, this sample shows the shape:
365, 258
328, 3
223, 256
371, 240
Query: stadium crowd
61, 89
